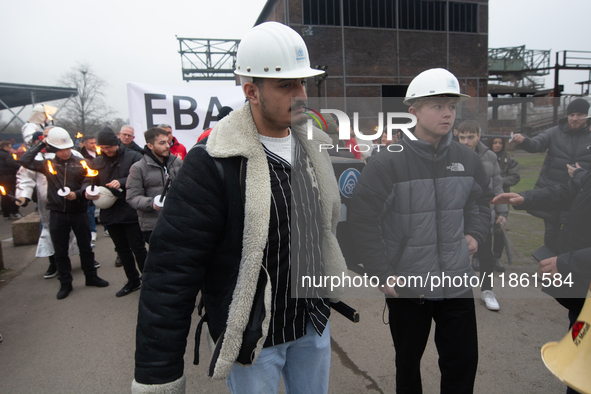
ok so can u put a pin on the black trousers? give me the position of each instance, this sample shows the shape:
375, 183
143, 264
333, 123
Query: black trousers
487, 263
8, 205
129, 242
147, 235
498, 242
60, 224
456, 339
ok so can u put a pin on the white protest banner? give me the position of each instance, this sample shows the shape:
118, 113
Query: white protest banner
188, 109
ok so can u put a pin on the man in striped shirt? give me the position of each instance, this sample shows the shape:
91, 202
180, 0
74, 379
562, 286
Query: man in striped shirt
254, 210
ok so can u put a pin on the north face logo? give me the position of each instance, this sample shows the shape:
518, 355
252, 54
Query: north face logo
456, 167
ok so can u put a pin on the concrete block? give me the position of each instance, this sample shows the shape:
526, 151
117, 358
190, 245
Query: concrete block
25, 231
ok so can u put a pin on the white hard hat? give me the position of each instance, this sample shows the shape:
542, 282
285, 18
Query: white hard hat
48, 109
106, 198
59, 138
434, 82
273, 50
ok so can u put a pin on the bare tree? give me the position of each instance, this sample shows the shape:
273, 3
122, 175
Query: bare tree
87, 112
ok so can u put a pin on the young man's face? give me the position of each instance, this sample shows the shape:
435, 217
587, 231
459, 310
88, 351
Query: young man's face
497, 145
90, 145
109, 150
64, 154
469, 139
576, 120
435, 118
275, 102
161, 147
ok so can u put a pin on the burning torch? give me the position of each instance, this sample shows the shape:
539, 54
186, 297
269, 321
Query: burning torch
61, 191
3, 191
91, 190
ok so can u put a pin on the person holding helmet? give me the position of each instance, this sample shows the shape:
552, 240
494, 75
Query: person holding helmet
421, 213
225, 232
119, 218
67, 212
29, 183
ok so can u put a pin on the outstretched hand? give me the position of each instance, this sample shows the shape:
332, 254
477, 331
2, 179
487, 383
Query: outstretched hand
518, 138
508, 198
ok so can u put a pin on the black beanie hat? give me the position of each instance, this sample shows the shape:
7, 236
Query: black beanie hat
579, 105
107, 137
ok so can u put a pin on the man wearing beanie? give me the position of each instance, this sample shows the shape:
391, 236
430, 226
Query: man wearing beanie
120, 219
566, 143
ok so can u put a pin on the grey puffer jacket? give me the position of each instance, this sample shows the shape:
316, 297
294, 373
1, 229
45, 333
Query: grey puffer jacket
145, 181
411, 210
492, 169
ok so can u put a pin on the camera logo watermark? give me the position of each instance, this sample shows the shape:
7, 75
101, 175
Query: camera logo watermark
345, 126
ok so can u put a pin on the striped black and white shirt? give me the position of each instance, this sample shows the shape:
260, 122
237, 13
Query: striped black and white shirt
294, 242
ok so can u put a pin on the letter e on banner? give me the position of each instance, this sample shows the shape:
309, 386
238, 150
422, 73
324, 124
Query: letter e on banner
151, 111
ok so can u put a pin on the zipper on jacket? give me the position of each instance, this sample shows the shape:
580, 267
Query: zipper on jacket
437, 217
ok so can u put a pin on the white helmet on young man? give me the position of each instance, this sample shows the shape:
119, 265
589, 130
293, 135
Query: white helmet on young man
59, 138
434, 82
106, 198
273, 50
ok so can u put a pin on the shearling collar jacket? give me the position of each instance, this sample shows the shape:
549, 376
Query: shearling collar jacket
210, 237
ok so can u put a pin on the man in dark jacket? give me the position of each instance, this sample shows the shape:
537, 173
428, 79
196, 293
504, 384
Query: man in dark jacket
67, 206
572, 262
575, 198
120, 219
8, 168
420, 213
148, 177
88, 151
225, 231
565, 144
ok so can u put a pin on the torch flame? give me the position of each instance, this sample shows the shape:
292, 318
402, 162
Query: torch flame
14, 156
24, 149
2, 190
79, 135
50, 167
48, 115
98, 150
89, 172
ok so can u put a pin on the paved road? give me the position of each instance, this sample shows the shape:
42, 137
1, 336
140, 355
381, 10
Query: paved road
85, 343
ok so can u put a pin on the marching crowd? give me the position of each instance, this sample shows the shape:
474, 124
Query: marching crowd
258, 201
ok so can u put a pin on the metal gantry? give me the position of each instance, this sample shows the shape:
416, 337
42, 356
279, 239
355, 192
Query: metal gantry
208, 59
518, 66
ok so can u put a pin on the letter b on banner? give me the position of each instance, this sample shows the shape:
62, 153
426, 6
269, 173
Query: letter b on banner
189, 111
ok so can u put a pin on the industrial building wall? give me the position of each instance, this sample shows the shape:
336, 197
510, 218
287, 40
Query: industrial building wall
374, 61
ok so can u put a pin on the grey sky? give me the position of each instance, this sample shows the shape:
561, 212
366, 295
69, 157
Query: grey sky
134, 41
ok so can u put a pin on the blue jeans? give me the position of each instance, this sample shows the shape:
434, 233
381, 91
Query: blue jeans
90, 211
303, 363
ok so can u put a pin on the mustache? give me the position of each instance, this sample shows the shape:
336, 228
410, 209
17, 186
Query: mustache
298, 105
